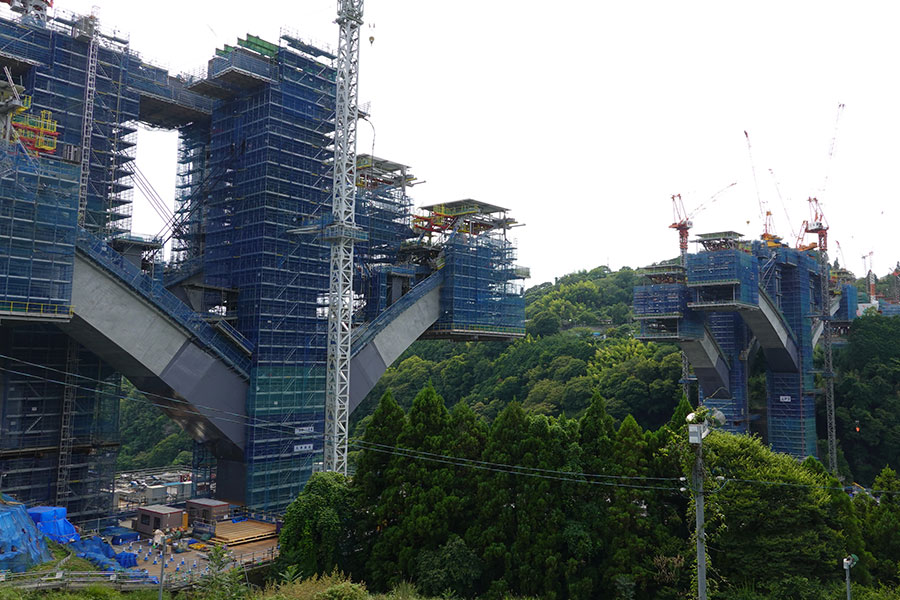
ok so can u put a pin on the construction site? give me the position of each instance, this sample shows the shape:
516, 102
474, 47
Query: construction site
736, 297
274, 313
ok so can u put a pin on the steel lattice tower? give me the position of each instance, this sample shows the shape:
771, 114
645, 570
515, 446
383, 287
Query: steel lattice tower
342, 233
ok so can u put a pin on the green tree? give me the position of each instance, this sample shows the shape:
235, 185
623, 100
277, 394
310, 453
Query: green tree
423, 498
318, 533
775, 522
223, 582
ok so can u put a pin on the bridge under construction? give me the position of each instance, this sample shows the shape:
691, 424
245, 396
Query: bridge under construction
736, 297
227, 336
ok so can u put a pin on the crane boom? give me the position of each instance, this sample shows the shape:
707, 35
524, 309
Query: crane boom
342, 234
33, 9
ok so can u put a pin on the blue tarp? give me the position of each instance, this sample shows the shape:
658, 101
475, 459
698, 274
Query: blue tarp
120, 535
21, 544
102, 555
52, 522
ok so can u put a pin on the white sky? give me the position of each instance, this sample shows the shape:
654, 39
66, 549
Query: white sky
583, 117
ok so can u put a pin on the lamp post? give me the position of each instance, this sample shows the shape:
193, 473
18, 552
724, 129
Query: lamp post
698, 428
849, 563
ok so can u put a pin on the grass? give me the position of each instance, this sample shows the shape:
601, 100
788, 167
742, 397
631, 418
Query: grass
59, 552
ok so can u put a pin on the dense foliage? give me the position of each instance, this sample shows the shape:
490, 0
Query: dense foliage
867, 396
580, 508
149, 438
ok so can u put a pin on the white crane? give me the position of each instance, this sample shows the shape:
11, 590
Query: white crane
342, 233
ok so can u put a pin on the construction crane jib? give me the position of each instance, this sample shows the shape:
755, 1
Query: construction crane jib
341, 234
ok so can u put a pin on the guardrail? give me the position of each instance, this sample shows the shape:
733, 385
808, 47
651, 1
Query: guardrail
99, 252
368, 333
129, 580
479, 328
42, 309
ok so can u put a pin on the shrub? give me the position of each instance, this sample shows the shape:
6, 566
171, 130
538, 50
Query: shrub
343, 591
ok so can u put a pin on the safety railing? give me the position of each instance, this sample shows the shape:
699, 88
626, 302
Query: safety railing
367, 333
39, 309
243, 62
478, 328
130, 580
99, 252
235, 335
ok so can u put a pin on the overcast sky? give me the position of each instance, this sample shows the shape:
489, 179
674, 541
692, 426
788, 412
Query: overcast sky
584, 117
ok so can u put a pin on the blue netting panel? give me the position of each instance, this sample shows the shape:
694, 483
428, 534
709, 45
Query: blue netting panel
889, 310
21, 544
154, 81
38, 215
25, 41
478, 293
723, 276
663, 299
57, 85
663, 313
194, 178
730, 333
849, 303
791, 396
268, 160
30, 421
383, 210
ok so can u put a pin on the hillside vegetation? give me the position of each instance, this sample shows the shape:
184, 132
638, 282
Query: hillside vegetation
555, 507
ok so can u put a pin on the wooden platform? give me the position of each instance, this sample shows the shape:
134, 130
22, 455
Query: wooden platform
243, 532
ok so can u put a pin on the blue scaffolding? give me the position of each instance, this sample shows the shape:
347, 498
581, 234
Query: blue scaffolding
725, 289
254, 169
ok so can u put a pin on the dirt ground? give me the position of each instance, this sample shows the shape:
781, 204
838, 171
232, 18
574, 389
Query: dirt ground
184, 562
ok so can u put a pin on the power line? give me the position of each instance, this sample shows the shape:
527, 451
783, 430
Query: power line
186, 407
280, 428
514, 471
395, 450
535, 469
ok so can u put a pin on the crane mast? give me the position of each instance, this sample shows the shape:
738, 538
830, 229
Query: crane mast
819, 226
341, 234
682, 223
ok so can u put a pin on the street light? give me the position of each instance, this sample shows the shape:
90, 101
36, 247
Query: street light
699, 424
849, 563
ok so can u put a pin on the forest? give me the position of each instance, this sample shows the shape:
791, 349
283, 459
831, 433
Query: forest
557, 466
556, 507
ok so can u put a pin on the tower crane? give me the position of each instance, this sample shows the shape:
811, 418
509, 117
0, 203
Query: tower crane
764, 213
841, 252
36, 9
817, 224
683, 223
868, 269
342, 234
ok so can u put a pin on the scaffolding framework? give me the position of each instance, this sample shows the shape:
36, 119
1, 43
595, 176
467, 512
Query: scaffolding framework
255, 164
724, 283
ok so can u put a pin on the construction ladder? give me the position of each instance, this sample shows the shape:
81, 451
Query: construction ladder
87, 126
66, 438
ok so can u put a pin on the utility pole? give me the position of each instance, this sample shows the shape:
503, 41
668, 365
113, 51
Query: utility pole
162, 568
849, 563
696, 433
341, 234
698, 428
